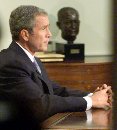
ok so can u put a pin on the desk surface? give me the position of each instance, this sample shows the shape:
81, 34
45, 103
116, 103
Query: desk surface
101, 120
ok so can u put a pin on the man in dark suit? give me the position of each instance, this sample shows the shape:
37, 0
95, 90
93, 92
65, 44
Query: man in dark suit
28, 85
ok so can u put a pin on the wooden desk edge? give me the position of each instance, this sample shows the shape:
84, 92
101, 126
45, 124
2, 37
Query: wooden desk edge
54, 119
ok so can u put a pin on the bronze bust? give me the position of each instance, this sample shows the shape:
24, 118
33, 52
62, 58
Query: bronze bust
68, 22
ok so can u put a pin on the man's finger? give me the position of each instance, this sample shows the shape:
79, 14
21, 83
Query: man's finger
104, 86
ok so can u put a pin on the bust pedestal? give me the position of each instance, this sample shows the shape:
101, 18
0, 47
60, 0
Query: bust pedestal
71, 51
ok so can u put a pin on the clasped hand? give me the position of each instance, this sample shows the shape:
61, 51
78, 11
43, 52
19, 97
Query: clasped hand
102, 97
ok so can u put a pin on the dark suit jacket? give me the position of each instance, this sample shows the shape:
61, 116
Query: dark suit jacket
36, 93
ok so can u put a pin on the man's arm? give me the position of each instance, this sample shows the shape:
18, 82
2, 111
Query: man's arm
32, 98
64, 91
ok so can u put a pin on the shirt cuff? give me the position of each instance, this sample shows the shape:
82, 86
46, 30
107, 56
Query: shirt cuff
90, 94
89, 102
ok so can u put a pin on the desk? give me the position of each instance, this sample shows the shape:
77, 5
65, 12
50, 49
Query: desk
86, 76
101, 120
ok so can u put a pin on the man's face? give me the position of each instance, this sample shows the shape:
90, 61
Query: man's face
39, 38
69, 26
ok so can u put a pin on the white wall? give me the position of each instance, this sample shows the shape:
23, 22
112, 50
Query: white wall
95, 17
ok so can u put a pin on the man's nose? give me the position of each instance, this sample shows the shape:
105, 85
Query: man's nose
49, 33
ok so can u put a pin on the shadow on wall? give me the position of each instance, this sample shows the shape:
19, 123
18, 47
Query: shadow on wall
0, 31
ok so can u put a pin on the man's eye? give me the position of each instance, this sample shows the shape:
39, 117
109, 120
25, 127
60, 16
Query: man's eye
43, 28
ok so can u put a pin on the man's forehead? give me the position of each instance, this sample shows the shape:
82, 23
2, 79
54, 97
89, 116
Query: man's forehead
42, 20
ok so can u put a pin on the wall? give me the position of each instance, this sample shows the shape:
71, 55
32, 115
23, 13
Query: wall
95, 17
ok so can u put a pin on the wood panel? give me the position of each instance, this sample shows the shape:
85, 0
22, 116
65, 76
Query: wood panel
84, 76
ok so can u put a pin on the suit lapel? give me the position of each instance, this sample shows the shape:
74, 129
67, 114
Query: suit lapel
44, 75
23, 55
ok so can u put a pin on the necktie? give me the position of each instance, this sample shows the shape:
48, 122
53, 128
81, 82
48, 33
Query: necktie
37, 66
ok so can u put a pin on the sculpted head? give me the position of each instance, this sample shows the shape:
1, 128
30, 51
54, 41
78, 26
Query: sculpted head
68, 22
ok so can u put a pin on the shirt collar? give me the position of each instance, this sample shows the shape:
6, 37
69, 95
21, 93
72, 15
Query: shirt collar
28, 54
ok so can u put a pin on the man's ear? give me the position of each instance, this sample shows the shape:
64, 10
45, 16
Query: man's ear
58, 24
24, 34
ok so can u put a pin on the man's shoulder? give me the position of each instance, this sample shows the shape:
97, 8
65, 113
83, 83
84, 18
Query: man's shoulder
7, 54
12, 63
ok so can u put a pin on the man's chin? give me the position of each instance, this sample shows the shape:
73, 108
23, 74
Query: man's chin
43, 50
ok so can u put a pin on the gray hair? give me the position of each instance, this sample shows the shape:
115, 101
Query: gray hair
23, 17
